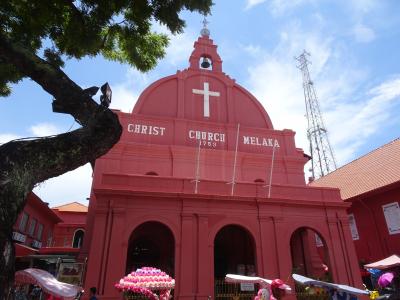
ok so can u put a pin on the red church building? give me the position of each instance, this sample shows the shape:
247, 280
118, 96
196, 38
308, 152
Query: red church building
371, 184
201, 185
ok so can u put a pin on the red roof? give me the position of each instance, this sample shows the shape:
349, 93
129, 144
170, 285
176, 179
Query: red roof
72, 207
43, 206
372, 171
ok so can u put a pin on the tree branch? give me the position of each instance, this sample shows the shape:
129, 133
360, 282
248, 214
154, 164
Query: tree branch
23, 164
69, 97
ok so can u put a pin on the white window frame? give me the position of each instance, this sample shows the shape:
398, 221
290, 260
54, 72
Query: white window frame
32, 227
23, 222
39, 231
49, 238
391, 211
353, 227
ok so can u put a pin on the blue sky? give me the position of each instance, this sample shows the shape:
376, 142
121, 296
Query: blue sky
354, 46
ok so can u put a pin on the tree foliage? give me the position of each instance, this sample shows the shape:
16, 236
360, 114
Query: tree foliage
35, 38
120, 30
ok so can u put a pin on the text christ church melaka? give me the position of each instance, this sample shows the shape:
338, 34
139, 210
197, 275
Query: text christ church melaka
187, 190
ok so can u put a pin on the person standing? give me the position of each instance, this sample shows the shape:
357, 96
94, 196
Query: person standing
93, 292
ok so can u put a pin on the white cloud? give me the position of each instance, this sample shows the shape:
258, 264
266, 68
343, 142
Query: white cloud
251, 3
180, 45
252, 50
280, 7
365, 118
361, 7
277, 83
277, 7
44, 129
126, 93
6, 137
388, 90
351, 119
124, 98
363, 34
69, 187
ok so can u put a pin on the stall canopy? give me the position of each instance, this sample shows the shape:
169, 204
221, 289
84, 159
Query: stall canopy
48, 283
23, 250
331, 286
389, 262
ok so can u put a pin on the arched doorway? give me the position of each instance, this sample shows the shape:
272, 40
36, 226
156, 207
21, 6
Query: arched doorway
310, 257
234, 252
151, 244
78, 238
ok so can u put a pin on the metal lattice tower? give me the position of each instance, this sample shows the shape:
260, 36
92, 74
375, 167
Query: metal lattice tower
322, 157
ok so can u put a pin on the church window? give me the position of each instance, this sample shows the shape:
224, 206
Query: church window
49, 238
32, 226
39, 232
23, 222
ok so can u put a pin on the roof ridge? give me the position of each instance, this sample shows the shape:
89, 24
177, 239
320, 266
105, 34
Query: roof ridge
373, 170
69, 203
362, 156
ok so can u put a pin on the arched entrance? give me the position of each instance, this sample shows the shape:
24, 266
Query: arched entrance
234, 252
310, 257
78, 238
151, 244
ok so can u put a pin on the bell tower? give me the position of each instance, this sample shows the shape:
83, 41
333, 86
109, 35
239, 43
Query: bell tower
204, 55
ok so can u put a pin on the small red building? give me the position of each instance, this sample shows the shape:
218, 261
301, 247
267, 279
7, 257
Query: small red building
201, 185
47, 237
371, 184
33, 230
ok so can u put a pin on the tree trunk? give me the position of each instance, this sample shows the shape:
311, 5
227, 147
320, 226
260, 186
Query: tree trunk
8, 260
25, 163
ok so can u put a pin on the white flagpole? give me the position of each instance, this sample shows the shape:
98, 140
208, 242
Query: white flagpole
270, 173
234, 162
197, 168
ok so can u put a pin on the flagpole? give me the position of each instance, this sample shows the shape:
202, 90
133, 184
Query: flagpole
234, 162
197, 175
270, 173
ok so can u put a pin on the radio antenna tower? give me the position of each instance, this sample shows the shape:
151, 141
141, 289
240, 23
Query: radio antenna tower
322, 158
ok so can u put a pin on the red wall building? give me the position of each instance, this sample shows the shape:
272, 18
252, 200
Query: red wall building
44, 237
70, 233
186, 189
371, 184
34, 229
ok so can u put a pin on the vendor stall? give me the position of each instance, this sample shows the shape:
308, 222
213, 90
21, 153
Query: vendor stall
335, 291
386, 263
48, 283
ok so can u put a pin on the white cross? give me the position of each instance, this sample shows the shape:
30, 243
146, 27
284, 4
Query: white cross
207, 93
